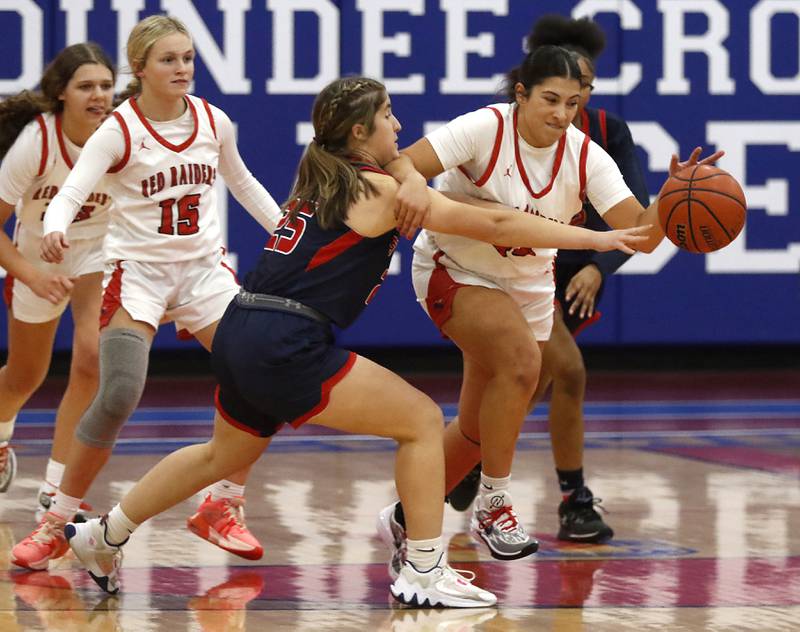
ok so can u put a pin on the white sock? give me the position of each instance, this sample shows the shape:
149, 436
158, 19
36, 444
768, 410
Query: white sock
118, 526
489, 484
226, 489
54, 473
424, 554
65, 507
7, 429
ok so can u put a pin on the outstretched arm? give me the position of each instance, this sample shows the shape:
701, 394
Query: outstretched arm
493, 223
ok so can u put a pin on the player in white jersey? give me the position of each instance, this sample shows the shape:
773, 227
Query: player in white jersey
496, 302
41, 136
164, 258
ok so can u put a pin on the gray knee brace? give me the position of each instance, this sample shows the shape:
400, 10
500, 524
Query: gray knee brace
123, 371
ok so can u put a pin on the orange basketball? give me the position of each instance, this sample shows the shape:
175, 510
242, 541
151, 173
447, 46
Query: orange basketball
702, 208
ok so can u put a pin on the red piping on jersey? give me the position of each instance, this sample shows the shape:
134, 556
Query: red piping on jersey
603, 131
582, 167
498, 139
61, 145
326, 388
127, 136
225, 265
161, 139
334, 249
43, 159
365, 166
210, 117
556, 163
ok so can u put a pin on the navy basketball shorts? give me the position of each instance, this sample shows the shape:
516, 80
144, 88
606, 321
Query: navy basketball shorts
274, 368
564, 274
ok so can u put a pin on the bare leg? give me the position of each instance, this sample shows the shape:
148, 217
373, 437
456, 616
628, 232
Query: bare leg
30, 346
373, 400
206, 337
489, 328
563, 361
84, 370
188, 470
461, 446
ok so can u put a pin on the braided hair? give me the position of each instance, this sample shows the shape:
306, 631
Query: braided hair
326, 178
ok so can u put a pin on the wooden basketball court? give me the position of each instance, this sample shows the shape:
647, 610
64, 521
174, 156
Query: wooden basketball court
700, 475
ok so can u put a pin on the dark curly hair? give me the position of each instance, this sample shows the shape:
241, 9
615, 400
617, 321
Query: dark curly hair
582, 36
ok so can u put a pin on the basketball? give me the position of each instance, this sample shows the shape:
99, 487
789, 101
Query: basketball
702, 208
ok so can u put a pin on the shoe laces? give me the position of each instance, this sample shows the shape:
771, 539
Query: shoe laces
46, 531
233, 512
458, 574
4, 448
507, 524
585, 503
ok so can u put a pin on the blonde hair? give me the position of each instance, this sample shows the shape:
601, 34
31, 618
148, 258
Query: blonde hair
146, 33
326, 177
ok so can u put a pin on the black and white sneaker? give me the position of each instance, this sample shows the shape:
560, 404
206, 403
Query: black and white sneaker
440, 586
579, 521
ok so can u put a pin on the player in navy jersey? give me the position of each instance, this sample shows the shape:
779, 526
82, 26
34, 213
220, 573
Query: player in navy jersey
274, 354
580, 276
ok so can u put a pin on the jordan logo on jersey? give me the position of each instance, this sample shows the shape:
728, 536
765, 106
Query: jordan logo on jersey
509, 171
142, 145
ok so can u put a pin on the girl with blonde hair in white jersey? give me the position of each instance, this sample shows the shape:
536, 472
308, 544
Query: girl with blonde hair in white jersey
164, 260
494, 301
41, 135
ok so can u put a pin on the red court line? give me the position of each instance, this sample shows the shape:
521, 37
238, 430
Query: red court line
738, 456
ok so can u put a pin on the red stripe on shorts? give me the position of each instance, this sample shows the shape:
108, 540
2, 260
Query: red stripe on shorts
112, 297
327, 386
236, 424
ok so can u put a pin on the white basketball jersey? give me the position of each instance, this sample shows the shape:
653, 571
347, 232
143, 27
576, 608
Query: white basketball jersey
549, 182
58, 154
164, 188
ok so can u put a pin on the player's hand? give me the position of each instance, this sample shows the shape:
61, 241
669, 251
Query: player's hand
53, 246
624, 240
676, 165
51, 287
583, 288
412, 205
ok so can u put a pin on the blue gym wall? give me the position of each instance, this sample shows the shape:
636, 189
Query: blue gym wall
725, 75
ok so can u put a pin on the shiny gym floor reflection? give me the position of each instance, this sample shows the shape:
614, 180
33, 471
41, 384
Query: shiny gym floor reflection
700, 474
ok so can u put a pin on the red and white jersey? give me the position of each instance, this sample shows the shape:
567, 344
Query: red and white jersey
485, 157
164, 186
33, 171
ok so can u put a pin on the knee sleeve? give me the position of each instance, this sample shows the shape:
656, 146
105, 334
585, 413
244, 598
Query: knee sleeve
123, 371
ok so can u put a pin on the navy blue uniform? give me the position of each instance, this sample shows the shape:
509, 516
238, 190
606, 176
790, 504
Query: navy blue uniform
275, 367
611, 133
